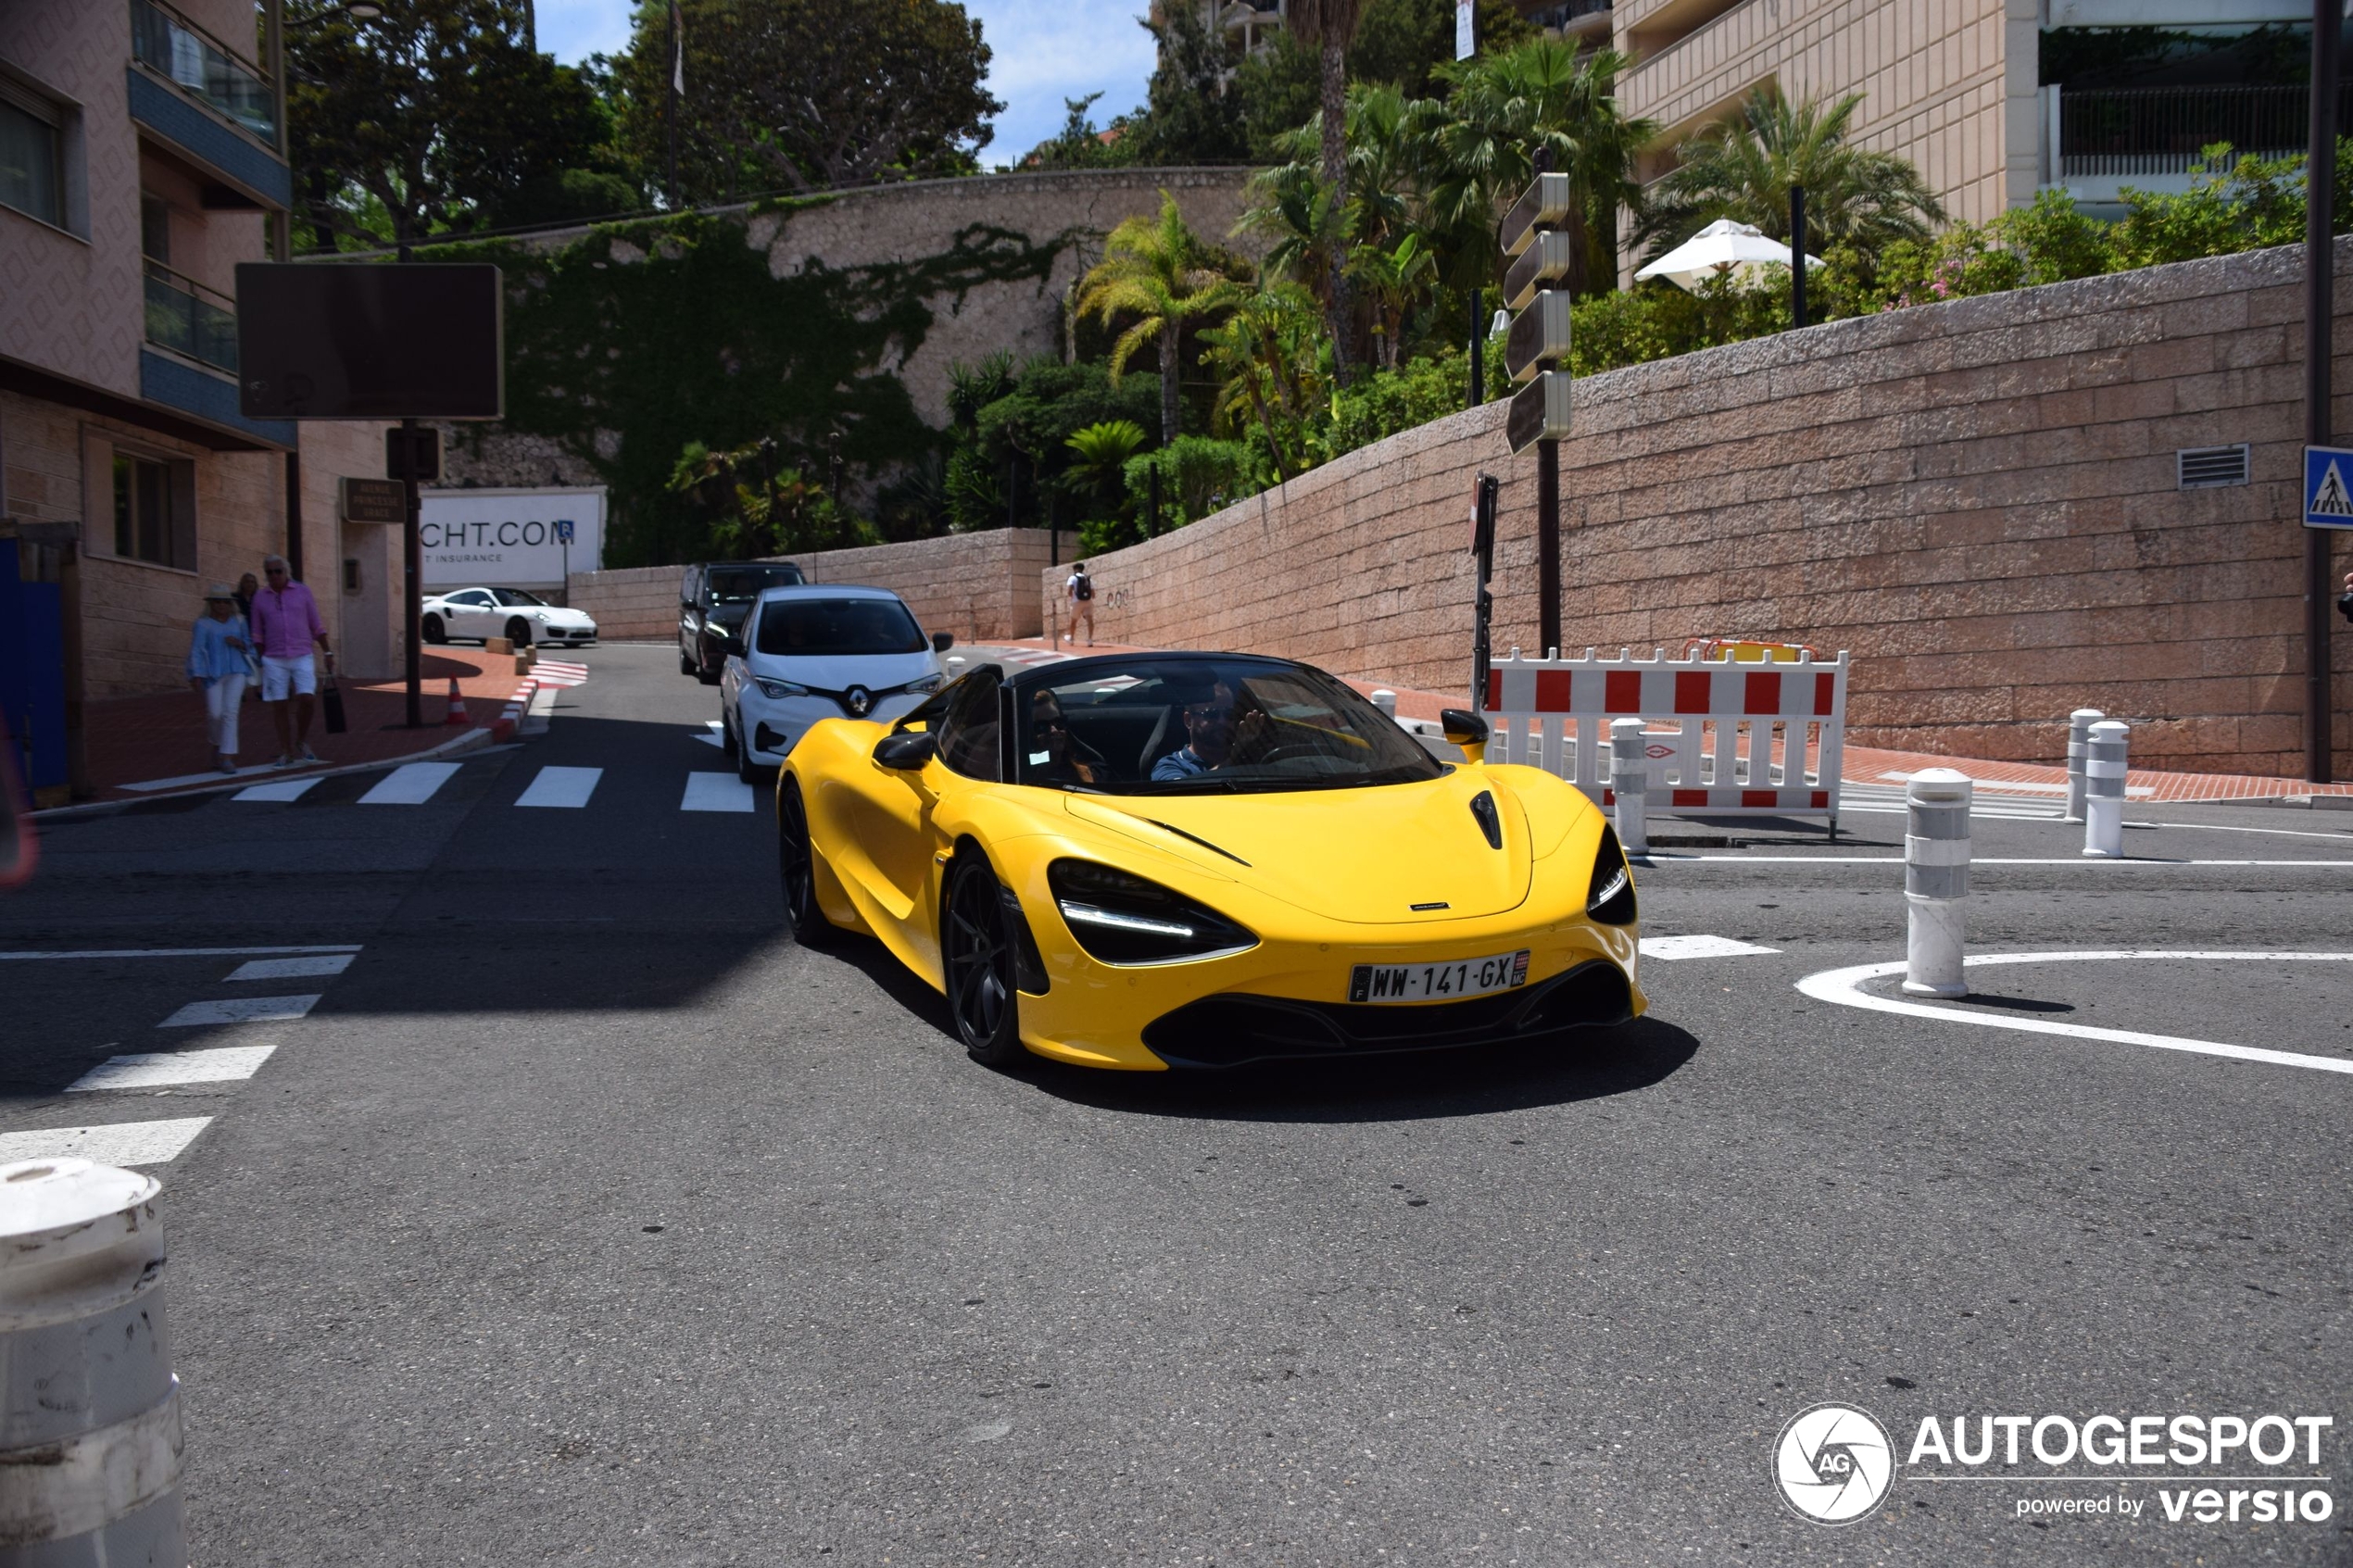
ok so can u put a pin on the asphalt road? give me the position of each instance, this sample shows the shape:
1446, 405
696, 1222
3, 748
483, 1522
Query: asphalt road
583, 1218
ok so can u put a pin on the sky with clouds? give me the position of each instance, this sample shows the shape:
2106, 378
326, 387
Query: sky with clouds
1043, 50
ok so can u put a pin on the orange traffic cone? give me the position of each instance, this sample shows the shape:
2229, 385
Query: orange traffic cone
457, 714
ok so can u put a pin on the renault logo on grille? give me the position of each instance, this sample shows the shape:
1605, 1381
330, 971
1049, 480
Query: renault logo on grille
858, 699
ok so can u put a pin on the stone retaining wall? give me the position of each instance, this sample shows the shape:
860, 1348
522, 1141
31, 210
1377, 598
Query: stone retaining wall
976, 585
1979, 498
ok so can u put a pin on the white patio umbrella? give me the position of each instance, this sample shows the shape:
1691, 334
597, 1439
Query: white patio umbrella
1723, 247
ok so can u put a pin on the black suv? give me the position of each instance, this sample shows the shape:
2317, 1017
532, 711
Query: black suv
713, 598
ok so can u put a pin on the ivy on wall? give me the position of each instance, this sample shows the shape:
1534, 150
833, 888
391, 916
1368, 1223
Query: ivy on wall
633, 342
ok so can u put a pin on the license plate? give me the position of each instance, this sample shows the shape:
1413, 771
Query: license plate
1434, 982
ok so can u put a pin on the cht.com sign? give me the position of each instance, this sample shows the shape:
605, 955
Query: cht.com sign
509, 538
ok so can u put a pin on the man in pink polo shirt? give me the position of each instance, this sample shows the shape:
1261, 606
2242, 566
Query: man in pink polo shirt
285, 625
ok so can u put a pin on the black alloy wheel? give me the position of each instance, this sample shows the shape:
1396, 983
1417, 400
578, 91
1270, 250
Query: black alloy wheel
519, 633
433, 631
797, 869
977, 948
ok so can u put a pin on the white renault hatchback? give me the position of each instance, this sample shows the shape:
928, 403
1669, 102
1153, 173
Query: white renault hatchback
819, 651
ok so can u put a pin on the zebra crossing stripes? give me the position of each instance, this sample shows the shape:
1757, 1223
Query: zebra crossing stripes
293, 969
158, 1070
240, 1009
561, 788
558, 672
412, 783
716, 792
1881, 799
119, 1143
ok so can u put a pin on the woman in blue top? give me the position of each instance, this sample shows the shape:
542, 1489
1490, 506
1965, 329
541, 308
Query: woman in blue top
219, 649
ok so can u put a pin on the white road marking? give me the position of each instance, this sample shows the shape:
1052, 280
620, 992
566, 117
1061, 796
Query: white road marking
285, 789
1842, 986
1698, 947
213, 777
164, 1069
411, 783
708, 734
558, 672
716, 792
561, 787
292, 969
178, 952
120, 1142
240, 1009
543, 702
1668, 857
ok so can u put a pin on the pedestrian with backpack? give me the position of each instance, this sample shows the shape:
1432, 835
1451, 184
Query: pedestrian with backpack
1081, 590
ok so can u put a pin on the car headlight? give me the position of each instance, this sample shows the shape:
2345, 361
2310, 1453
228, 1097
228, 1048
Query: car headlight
1610, 898
779, 688
1120, 917
926, 684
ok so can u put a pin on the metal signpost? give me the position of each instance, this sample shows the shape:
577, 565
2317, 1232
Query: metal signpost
1483, 554
563, 537
414, 457
2319, 331
1537, 353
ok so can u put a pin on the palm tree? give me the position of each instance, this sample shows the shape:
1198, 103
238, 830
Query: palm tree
1392, 280
1744, 170
1330, 26
1103, 450
1264, 354
1164, 277
1477, 150
1293, 208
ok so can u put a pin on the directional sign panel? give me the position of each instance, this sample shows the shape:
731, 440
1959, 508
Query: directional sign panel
1538, 412
2328, 487
1543, 203
1539, 336
1544, 261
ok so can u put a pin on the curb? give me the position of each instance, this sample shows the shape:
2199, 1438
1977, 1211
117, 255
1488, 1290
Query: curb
480, 736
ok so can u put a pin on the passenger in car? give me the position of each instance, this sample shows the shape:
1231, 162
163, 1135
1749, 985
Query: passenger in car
1057, 756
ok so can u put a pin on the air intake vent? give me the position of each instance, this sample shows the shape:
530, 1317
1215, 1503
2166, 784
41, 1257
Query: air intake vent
2202, 468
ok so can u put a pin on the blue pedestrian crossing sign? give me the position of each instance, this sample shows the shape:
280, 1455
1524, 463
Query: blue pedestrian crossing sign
2328, 487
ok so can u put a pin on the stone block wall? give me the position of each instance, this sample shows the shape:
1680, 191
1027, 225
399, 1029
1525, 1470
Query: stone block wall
1978, 498
976, 585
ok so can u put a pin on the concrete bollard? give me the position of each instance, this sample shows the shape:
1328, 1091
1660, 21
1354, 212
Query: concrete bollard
1630, 773
497, 645
2104, 789
1935, 880
90, 1414
2078, 736
1386, 700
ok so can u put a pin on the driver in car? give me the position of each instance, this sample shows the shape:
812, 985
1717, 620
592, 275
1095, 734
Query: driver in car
1219, 730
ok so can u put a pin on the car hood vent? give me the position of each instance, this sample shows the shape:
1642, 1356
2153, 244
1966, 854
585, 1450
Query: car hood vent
1483, 808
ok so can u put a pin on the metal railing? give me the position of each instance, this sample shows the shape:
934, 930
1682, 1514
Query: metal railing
187, 318
167, 43
2165, 130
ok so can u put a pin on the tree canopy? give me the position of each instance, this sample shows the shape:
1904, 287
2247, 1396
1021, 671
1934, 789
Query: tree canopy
800, 95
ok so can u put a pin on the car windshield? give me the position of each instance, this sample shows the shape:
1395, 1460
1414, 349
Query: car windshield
1208, 725
741, 585
828, 628
515, 597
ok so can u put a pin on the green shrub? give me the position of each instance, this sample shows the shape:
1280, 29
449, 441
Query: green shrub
1198, 475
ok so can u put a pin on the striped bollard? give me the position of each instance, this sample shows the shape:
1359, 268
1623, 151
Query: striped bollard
1935, 880
1629, 770
90, 1417
2078, 736
2104, 790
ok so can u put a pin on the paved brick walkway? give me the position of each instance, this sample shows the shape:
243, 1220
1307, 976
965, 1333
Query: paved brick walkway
1867, 764
135, 740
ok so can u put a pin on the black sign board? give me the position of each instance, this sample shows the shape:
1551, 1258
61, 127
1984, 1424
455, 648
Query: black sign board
1539, 338
1540, 265
413, 454
375, 500
1546, 201
370, 341
1538, 412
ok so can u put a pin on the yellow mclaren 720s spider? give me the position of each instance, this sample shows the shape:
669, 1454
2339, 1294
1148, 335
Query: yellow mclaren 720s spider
1202, 860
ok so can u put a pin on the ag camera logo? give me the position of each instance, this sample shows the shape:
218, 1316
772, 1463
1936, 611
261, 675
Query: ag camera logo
1833, 1463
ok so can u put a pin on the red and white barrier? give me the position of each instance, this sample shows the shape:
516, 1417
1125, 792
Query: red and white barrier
1722, 737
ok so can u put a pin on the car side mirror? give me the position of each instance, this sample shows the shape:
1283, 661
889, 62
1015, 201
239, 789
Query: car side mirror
942, 641
907, 751
732, 643
1467, 730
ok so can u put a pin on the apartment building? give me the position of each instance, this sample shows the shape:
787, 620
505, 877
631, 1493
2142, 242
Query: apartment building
1993, 99
142, 157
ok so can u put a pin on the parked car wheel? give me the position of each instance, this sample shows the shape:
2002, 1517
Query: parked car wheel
434, 629
519, 633
746, 768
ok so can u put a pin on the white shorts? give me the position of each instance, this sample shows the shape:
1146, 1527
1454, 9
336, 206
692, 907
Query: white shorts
278, 674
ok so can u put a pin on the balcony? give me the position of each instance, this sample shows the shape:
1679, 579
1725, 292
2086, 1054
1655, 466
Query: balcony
2156, 133
192, 93
1573, 18
191, 320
